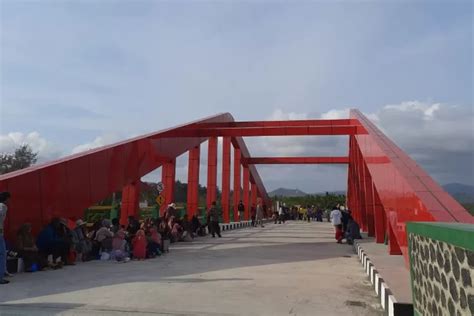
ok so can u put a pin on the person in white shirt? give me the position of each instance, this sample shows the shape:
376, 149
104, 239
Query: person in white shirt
336, 217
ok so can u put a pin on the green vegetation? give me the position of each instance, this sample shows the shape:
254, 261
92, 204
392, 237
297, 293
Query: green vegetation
326, 201
23, 157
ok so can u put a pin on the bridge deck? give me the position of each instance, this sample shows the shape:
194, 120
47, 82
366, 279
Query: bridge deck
291, 269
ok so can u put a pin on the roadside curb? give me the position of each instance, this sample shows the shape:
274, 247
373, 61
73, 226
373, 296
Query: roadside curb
388, 301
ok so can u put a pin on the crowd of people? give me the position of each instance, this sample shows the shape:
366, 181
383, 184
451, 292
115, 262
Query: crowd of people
302, 213
58, 244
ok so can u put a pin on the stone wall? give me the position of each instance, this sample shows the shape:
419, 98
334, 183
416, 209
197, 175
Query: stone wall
442, 268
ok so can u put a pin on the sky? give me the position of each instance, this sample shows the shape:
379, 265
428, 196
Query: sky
81, 74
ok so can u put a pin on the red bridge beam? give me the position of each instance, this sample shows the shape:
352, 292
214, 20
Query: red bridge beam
301, 123
295, 160
268, 131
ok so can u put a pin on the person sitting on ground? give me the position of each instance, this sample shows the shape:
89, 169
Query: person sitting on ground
187, 228
104, 236
49, 242
176, 231
153, 243
196, 226
82, 244
115, 225
139, 245
66, 234
120, 248
133, 226
353, 231
27, 250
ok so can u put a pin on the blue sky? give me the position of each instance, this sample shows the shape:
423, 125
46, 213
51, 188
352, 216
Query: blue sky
84, 73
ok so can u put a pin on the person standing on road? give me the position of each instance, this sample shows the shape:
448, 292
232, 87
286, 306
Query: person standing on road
259, 214
4, 196
241, 209
336, 217
214, 221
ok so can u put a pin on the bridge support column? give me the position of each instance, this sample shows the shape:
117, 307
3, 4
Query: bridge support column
253, 193
225, 179
168, 175
369, 200
130, 200
245, 192
211, 171
393, 246
379, 219
359, 184
236, 183
193, 181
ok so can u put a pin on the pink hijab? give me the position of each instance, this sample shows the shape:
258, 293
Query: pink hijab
155, 236
118, 241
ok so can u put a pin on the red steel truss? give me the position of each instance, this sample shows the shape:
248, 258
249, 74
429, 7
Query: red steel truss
386, 188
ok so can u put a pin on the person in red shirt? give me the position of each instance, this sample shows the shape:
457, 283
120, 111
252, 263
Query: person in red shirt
139, 245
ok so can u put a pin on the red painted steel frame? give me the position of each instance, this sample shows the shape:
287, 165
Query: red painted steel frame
68, 186
246, 191
402, 191
225, 179
168, 176
193, 181
296, 160
236, 196
385, 188
211, 171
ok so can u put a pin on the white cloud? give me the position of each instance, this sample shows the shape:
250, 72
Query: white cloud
438, 136
46, 149
99, 141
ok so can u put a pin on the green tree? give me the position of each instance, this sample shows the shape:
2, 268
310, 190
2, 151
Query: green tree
23, 157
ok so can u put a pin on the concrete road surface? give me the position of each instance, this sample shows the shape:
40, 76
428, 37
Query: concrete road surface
290, 269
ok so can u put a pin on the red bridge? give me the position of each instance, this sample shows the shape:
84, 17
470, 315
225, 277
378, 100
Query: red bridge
386, 188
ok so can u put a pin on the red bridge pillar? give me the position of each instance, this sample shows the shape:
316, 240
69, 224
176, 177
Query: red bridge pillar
236, 182
245, 192
193, 181
168, 174
253, 193
211, 171
369, 201
225, 179
379, 218
130, 200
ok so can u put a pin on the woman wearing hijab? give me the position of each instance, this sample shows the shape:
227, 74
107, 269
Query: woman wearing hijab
120, 247
139, 244
26, 247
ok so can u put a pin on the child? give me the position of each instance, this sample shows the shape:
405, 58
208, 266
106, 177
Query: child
139, 245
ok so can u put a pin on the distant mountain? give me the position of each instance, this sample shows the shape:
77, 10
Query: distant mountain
297, 192
286, 192
463, 193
